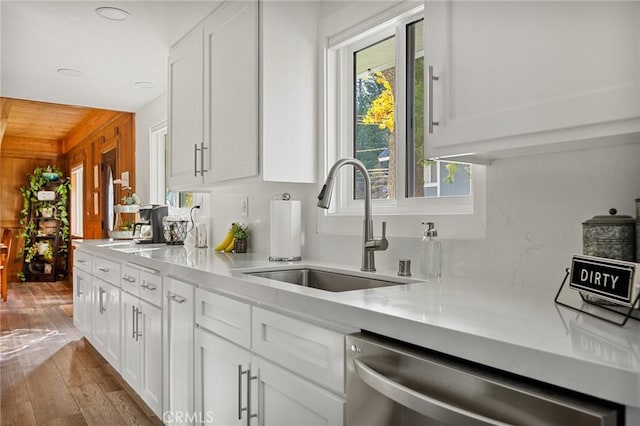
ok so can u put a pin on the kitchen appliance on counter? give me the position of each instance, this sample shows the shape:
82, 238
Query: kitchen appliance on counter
611, 236
393, 383
151, 215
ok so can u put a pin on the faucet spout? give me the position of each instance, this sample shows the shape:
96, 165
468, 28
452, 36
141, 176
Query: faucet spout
369, 244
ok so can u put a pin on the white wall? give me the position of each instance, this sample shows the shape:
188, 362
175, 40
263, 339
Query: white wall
150, 115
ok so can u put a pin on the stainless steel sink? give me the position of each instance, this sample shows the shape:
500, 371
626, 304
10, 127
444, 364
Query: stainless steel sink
324, 280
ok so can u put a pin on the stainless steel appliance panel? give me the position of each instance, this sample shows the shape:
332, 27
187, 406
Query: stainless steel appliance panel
389, 383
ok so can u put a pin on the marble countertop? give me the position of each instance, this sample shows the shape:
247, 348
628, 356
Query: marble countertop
516, 329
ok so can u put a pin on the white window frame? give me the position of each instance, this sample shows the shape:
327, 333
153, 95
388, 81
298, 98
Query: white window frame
77, 195
157, 164
463, 217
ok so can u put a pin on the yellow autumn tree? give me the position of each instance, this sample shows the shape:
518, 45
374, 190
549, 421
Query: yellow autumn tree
382, 108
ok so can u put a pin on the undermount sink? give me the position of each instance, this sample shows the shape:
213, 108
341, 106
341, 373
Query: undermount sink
325, 280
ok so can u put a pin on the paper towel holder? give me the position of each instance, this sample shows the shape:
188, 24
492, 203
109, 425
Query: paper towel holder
285, 196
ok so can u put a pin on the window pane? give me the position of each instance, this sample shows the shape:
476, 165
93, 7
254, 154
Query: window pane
374, 137
426, 178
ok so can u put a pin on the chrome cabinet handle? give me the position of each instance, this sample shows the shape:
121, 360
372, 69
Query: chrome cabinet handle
202, 149
195, 159
176, 298
103, 269
149, 287
430, 99
241, 409
101, 302
138, 334
129, 279
82, 261
78, 292
133, 322
249, 379
416, 401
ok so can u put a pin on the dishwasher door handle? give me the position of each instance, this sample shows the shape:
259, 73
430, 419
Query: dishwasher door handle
416, 401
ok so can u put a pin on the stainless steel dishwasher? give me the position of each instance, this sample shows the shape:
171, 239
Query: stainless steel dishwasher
391, 383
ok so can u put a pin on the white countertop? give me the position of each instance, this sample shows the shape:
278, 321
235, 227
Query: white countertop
520, 330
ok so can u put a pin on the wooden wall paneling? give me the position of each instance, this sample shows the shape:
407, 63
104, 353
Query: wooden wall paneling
15, 168
126, 160
88, 127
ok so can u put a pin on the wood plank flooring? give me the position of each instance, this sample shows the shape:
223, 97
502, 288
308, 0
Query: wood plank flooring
49, 374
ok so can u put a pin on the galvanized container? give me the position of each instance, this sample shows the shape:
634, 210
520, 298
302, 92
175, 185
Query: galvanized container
612, 237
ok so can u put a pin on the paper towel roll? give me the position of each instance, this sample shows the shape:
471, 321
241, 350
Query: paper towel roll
286, 228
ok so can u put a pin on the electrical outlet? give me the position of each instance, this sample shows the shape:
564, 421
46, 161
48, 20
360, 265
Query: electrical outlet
244, 206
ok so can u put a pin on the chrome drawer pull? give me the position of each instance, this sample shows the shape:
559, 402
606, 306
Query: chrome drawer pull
103, 269
149, 287
176, 298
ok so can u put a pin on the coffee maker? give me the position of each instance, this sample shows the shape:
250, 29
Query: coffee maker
151, 215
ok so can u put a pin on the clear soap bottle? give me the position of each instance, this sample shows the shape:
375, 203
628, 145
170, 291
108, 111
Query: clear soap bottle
431, 253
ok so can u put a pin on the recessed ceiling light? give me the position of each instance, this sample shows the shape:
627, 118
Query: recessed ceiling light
112, 13
69, 72
145, 84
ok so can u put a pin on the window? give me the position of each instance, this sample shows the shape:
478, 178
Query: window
377, 116
76, 201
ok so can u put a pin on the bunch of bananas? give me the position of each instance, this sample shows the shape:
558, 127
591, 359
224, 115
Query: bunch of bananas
228, 242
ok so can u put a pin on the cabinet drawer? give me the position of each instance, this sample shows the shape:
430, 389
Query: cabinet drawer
224, 316
130, 279
107, 270
150, 288
306, 349
82, 260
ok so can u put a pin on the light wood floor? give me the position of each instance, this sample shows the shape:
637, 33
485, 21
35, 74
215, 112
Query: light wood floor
49, 374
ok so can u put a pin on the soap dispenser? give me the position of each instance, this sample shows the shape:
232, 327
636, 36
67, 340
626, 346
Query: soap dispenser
431, 253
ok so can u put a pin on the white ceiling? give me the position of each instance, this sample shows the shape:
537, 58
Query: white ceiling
39, 37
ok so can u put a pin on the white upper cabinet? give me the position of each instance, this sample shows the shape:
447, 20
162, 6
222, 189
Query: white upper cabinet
185, 95
231, 88
523, 77
243, 96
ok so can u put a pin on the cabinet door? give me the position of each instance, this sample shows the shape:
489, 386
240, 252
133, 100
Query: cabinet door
130, 363
111, 315
150, 335
185, 96
82, 301
231, 91
523, 74
99, 316
287, 399
179, 326
221, 375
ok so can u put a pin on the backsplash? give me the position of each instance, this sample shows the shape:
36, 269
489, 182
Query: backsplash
535, 208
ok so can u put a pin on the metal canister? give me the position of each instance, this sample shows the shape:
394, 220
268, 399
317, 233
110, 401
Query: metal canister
612, 236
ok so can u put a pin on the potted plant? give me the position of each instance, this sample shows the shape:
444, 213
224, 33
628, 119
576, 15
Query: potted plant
240, 233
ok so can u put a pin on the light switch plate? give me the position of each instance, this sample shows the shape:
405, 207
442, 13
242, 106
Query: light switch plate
244, 206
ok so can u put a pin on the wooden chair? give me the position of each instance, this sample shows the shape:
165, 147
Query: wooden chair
4, 261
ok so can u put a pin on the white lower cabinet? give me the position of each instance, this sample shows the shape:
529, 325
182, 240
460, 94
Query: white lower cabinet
82, 301
287, 399
235, 387
141, 363
105, 316
265, 381
222, 379
178, 352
